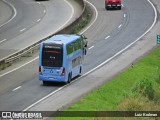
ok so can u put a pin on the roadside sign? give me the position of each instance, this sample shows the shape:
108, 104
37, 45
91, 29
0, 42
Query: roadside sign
158, 39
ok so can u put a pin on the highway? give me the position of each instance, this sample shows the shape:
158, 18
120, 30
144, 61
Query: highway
30, 22
112, 32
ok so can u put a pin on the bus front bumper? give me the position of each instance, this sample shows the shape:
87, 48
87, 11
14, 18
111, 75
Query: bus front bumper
52, 79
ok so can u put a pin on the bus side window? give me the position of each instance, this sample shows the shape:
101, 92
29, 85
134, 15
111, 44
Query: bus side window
69, 49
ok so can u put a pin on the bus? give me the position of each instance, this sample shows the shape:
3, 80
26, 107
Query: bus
61, 57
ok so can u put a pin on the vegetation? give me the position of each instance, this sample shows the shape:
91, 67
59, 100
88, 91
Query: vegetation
85, 20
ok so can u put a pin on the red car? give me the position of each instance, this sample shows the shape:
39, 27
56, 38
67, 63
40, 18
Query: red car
109, 4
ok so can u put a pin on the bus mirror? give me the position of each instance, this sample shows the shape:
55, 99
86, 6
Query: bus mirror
84, 37
85, 42
85, 45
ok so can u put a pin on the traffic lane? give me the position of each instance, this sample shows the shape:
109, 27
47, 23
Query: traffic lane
132, 27
25, 95
21, 36
21, 88
17, 78
106, 22
27, 14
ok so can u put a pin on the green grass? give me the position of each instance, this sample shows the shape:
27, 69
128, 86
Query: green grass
117, 93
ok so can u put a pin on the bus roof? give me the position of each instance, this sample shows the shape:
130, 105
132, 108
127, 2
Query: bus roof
62, 38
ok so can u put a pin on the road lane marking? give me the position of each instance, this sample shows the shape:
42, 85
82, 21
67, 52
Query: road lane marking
3, 40
19, 67
44, 11
14, 15
22, 29
124, 15
96, 13
122, 5
38, 20
17, 88
107, 37
120, 26
44, 98
91, 47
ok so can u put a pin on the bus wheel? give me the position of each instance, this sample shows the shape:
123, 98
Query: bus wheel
69, 78
45, 82
80, 71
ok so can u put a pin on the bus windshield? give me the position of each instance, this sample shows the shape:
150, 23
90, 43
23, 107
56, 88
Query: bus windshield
52, 55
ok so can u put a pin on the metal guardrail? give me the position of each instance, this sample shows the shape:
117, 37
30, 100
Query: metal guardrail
7, 61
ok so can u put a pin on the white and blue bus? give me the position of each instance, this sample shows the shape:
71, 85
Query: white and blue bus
61, 57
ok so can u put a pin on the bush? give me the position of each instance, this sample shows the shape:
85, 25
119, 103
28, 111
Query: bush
145, 88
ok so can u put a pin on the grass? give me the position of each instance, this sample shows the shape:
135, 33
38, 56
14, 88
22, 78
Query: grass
118, 95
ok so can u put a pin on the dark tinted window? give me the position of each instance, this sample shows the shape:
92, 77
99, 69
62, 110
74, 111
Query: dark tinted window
52, 55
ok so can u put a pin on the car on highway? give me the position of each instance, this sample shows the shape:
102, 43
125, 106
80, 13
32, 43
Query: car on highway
110, 4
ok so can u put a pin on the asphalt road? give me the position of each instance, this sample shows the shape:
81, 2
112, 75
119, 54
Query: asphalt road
112, 32
32, 21
6, 12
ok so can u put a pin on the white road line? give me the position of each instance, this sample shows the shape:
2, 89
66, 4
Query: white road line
3, 40
38, 2
124, 15
122, 5
22, 29
44, 98
100, 64
14, 15
94, 19
72, 13
91, 47
16, 88
44, 11
38, 20
19, 67
120, 26
107, 37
